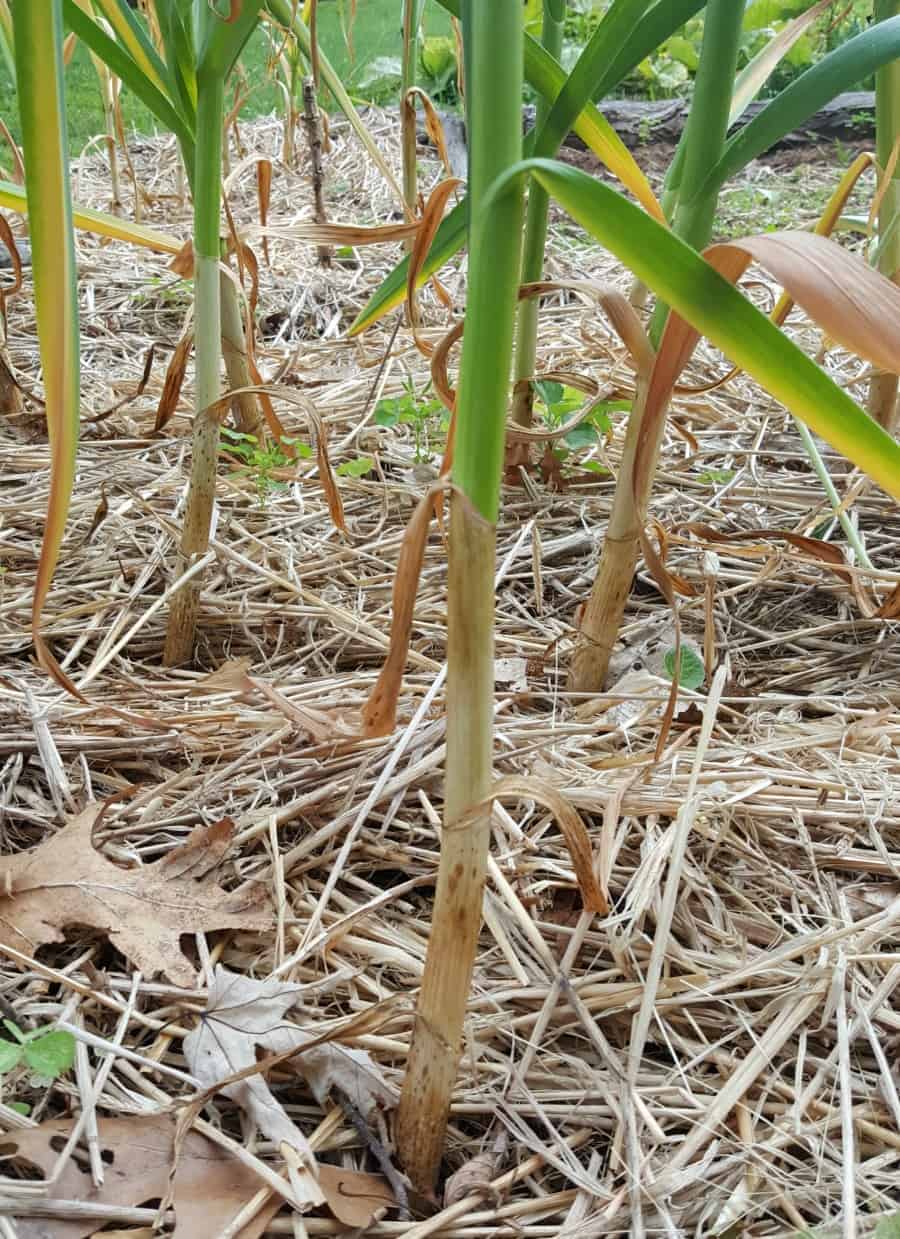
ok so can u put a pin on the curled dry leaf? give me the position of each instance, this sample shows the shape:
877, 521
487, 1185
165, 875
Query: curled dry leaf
243, 1014
174, 380
183, 262
825, 552
273, 421
573, 831
263, 197
380, 711
425, 234
475, 1176
618, 309
433, 125
144, 911
326, 474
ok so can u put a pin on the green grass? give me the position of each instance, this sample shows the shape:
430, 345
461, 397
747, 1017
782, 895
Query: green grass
376, 33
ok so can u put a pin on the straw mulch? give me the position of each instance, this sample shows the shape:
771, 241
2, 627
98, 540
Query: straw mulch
718, 1057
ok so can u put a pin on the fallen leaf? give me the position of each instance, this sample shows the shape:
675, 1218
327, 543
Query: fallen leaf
204, 849
243, 1013
144, 911
475, 1176
210, 1185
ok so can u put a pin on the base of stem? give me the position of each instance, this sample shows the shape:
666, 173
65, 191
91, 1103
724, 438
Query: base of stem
602, 619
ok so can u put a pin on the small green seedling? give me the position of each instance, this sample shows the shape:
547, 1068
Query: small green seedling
711, 476
156, 292
357, 468
690, 673
427, 417
49, 1053
261, 460
556, 402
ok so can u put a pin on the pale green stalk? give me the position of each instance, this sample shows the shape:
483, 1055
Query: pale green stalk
39, 73
703, 143
535, 237
821, 470
493, 56
207, 354
883, 388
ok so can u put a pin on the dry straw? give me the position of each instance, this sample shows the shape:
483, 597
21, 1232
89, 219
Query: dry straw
773, 1027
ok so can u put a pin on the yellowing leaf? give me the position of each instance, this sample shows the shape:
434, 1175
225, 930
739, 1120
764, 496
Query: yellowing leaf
88, 220
39, 72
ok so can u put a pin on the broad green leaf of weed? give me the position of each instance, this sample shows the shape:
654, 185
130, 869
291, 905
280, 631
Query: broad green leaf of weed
52, 1054
550, 392
356, 468
690, 673
10, 1055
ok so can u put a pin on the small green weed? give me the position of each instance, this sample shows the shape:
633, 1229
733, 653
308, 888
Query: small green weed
158, 292
357, 468
261, 460
438, 60
690, 672
427, 417
556, 403
47, 1052
710, 477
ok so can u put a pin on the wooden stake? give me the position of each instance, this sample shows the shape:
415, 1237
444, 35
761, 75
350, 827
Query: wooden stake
313, 124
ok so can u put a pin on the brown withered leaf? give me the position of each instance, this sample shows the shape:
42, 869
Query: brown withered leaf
572, 827
474, 1176
380, 711
204, 849
174, 380
263, 198
432, 215
65, 881
209, 1185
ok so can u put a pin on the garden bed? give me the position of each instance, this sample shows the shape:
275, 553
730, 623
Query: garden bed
756, 1067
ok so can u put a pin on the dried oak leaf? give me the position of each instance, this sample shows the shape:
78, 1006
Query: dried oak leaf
243, 1013
65, 881
210, 1185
